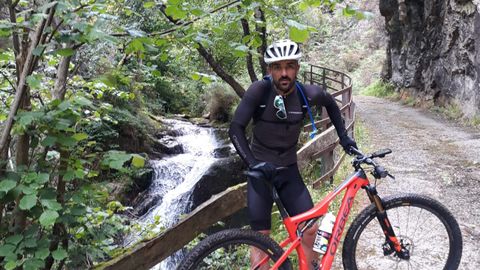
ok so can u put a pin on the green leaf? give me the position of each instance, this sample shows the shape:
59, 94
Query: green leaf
138, 161
4, 57
48, 218
33, 264
298, 32
33, 81
51, 204
116, 159
42, 178
148, 5
82, 101
348, 11
38, 50
240, 51
64, 105
28, 190
6, 250
59, 254
14, 239
28, 201
65, 52
156, 73
42, 253
10, 265
175, 12
49, 141
206, 80
196, 76
67, 141
69, 175
7, 185
298, 35
30, 242
78, 210
135, 45
80, 136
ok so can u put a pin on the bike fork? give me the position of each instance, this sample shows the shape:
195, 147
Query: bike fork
392, 244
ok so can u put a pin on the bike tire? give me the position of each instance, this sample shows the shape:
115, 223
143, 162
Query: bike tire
223, 242
428, 218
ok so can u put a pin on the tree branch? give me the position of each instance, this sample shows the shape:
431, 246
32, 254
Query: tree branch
217, 68
178, 23
220, 71
51, 13
8, 80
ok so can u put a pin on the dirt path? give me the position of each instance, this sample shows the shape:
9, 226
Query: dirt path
432, 157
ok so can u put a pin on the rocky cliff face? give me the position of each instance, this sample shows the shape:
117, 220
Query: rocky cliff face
434, 50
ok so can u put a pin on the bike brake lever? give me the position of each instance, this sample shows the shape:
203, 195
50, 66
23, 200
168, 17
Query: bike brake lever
391, 176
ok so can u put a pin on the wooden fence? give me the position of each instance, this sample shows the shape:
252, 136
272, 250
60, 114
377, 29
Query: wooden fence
149, 253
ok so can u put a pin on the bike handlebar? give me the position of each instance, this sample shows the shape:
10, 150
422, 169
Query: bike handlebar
378, 171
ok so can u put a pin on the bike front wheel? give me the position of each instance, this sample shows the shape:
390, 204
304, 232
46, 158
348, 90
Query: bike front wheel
230, 249
423, 226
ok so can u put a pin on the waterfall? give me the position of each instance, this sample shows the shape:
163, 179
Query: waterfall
176, 175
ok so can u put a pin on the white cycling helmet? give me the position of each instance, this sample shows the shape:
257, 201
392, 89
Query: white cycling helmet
284, 49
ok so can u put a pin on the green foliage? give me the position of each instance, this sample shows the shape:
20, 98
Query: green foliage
379, 89
57, 129
451, 111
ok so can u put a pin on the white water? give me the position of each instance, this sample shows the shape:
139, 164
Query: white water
175, 176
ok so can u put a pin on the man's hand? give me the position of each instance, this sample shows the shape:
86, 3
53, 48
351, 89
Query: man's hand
267, 169
346, 142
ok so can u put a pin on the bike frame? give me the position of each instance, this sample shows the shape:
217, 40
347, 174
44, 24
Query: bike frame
352, 184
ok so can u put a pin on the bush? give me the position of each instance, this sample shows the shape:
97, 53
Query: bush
220, 103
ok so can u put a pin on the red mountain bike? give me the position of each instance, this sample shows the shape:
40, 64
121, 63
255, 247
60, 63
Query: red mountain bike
408, 231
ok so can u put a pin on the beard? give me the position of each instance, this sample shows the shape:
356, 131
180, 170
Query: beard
284, 84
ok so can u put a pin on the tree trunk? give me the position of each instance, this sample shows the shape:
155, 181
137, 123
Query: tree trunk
220, 71
250, 68
62, 74
59, 230
262, 29
21, 159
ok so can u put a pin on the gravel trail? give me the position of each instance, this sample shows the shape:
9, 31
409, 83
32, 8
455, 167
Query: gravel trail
430, 156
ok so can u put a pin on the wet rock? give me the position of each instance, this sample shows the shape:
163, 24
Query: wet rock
145, 202
169, 145
223, 152
141, 182
224, 173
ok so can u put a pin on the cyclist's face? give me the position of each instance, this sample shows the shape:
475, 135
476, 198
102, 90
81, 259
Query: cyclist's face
284, 74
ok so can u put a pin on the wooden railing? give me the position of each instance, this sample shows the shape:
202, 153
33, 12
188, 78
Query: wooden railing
149, 253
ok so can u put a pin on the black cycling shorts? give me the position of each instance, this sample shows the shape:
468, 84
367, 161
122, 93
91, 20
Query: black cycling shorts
291, 189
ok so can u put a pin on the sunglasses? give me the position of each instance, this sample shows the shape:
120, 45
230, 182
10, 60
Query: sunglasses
280, 105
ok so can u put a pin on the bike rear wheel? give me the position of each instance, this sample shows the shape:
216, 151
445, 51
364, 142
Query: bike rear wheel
230, 249
423, 226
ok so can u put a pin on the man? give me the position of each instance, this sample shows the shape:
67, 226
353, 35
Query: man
276, 130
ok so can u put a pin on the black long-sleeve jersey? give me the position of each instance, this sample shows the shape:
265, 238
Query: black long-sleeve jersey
274, 140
